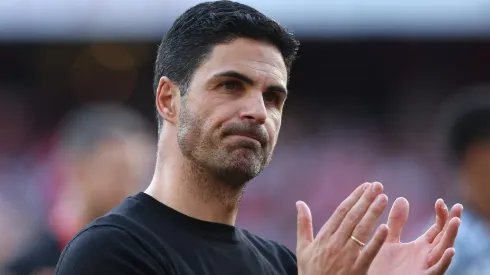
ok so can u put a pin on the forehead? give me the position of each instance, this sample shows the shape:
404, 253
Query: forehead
258, 60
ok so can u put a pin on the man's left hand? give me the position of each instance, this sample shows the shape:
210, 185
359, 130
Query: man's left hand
430, 254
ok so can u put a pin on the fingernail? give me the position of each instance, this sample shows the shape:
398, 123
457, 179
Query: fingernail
379, 199
376, 187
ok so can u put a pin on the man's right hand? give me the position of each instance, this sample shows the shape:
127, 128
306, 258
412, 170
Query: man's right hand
334, 251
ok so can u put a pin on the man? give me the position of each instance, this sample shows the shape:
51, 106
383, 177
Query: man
101, 152
221, 77
468, 142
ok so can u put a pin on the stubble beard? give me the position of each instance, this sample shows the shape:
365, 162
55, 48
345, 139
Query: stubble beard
212, 163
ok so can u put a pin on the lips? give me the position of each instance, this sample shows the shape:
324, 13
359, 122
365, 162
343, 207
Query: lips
248, 135
249, 131
261, 138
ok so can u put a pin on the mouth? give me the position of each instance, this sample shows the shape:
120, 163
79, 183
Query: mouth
247, 134
249, 137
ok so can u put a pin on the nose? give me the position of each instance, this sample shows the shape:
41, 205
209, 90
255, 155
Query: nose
253, 108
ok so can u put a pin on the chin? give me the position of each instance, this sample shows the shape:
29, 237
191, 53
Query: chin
236, 179
238, 167
238, 173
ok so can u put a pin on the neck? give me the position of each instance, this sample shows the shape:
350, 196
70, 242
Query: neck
190, 190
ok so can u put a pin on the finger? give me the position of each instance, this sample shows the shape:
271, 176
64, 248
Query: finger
446, 242
456, 212
396, 219
357, 212
442, 213
339, 215
441, 219
365, 227
370, 251
443, 264
304, 227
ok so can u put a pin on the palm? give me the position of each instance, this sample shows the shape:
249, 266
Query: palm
402, 258
429, 254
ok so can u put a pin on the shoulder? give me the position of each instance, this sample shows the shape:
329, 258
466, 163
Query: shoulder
266, 243
105, 249
101, 235
273, 250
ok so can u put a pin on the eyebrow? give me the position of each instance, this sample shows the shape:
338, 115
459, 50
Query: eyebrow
249, 81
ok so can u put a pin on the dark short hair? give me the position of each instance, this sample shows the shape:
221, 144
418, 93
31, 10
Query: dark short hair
193, 35
469, 129
467, 121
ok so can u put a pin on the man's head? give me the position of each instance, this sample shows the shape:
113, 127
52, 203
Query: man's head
468, 140
107, 155
471, 133
221, 81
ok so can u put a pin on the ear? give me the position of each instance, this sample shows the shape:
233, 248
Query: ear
167, 100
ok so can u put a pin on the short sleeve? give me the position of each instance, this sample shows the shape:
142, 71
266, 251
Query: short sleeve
106, 250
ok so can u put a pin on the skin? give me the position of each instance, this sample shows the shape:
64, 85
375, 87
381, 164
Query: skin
222, 133
117, 163
206, 156
120, 164
474, 178
333, 252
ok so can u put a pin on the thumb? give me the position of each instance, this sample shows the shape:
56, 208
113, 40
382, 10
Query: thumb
305, 226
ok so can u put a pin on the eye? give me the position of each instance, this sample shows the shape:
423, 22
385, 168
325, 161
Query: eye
230, 86
271, 97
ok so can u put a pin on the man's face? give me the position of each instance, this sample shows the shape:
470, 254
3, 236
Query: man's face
477, 169
230, 117
116, 169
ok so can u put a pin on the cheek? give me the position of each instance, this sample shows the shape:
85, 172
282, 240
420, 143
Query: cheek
188, 122
273, 125
197, 127
214, 119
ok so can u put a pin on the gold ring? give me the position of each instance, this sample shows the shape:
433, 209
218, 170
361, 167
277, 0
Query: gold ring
357, 241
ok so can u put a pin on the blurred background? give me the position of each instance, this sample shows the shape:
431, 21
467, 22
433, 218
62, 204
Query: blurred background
366, 99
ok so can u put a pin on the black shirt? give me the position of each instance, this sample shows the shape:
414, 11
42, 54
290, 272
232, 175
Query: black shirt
143, 236
40, 255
